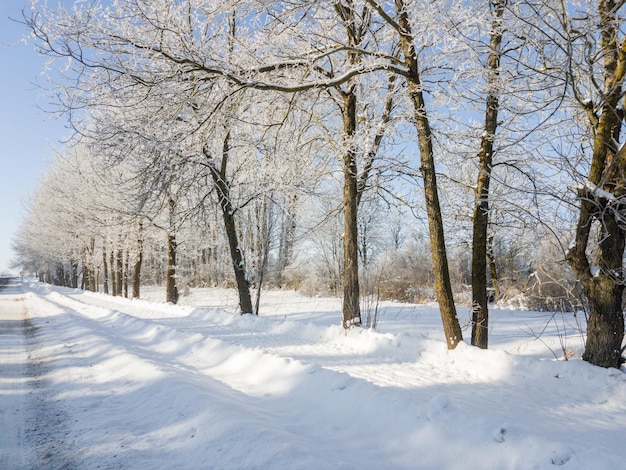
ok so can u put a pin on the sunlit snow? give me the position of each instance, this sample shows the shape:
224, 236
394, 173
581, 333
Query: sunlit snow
145, 385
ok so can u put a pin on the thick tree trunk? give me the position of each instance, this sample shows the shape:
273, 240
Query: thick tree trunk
230, 227
480, 221
90, 279
351, 296
604, 289
443, 288
236, 254
605, 328
480, 314
351, 308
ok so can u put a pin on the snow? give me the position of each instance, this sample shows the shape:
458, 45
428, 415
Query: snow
597, 192
143, 384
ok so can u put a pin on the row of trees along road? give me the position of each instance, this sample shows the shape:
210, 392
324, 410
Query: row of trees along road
195, 120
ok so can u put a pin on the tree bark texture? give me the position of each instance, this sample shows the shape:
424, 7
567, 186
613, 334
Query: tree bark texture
493, 270
230, 227
443, 288
603, 289
480, 220
351, 296
351, 307
171, 289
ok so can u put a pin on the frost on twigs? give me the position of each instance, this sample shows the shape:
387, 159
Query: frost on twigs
590, 191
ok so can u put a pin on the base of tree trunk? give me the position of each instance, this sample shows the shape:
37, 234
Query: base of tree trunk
480, 328
605, 333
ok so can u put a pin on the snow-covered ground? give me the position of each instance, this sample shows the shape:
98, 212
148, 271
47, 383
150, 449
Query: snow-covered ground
144, 385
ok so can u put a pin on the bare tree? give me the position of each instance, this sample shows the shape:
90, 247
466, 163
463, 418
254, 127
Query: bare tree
601, 194
400, 22
160, 40
480, 219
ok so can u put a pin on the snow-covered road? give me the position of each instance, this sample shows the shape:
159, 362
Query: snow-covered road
15, 452
137, 384
34, 424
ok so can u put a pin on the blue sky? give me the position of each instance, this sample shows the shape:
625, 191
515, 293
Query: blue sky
28, 136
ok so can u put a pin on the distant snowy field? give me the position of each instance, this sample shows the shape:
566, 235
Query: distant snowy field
145, 385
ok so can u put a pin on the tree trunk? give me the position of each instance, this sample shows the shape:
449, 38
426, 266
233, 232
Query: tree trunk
443, 288
288, 232
126, 265
137, 266
264, 216
241, 278
171, 290
351, 298
605, 328
480, 221
355, 24
112, 271
93, 282
84, 284
604, 289
93, 286
480, 314
228, 215
493, 270
75, 274
119, 263
105, 271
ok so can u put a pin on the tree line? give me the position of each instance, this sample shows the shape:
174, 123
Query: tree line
254, 133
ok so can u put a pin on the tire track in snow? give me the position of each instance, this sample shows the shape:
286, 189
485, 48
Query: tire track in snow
48, 421
37, 420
